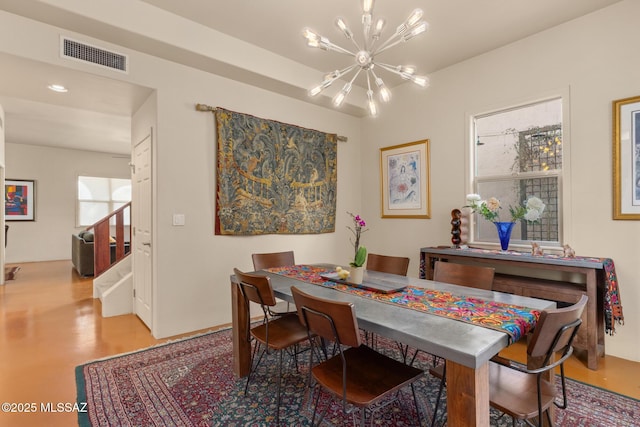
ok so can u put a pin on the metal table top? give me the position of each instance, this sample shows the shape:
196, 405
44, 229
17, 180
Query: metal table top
461, 342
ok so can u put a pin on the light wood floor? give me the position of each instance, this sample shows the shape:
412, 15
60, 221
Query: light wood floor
49, 324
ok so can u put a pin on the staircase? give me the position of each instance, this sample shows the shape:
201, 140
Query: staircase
113, 281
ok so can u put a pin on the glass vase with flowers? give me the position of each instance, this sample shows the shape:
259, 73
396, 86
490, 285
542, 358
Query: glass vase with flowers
531, 211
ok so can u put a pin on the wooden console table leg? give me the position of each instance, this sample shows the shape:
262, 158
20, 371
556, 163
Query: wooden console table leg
592, 320
467, 395
240, 333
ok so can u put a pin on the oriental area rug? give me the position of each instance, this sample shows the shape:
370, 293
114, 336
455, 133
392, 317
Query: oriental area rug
190, 382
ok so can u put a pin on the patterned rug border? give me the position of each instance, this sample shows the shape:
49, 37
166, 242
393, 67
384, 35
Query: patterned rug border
81, 395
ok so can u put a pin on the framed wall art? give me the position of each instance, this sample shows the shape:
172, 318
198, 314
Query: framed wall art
19, 200
626, 158
405, 186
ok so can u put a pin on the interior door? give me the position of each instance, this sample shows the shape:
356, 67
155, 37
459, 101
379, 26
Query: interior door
142, 225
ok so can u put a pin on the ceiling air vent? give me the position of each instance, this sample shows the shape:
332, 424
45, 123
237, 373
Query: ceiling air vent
84, 52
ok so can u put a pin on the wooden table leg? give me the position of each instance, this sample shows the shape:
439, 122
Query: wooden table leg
467, 395
592, 320
240, 333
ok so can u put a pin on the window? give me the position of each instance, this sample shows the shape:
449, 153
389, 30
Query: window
97, 197
518, 153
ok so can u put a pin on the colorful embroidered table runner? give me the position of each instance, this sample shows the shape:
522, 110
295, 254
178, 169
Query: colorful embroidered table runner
612, 304
514, 320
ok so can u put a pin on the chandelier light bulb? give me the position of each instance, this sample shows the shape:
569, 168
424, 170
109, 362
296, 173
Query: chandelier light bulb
377, 30
406, 71
385, 93
421, 81
310, 35
332, 75
367, 6
418, 29
316, 90
413, 19
364, 55
344, 28
322, 86
340, 97
371, 104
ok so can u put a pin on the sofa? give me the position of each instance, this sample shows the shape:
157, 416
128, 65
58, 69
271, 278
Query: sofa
82, 252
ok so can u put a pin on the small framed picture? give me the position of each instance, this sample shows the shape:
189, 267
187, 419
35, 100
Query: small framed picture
626, 158
19, 200
405, 187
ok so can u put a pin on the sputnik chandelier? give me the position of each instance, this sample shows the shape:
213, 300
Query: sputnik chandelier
365, 55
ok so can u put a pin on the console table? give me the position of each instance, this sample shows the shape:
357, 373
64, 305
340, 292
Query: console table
524, 282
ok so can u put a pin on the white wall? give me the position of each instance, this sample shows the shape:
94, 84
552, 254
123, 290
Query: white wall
591, 57
55, 172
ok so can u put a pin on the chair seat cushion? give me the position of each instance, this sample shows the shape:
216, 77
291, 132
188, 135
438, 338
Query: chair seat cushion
284, 332
515, 393
370, 375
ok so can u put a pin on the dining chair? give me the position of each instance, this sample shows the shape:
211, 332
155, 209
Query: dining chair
356, 374
388, 264
525, 392
471, 276
272, 259
273, 333
275, 259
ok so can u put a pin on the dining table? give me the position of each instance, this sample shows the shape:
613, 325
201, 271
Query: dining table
466, 347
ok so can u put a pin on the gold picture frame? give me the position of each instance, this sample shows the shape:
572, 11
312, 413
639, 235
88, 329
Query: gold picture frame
626, 158
405, 183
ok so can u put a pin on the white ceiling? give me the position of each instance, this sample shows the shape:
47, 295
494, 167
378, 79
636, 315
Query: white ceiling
95, 113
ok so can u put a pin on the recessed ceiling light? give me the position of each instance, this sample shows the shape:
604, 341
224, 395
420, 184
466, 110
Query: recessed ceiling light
58, 88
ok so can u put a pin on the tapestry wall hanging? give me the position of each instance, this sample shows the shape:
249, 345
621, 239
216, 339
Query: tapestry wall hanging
273, 178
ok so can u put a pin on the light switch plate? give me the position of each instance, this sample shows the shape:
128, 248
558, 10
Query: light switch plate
178, 219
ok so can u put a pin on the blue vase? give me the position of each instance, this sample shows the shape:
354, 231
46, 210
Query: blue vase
504, 233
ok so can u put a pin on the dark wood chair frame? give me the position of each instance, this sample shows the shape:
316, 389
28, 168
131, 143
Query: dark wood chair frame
542, 354
272, 259
338, 323
388, 264
290, 332
275, 259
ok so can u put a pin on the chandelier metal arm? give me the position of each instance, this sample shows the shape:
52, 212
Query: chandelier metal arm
402, 36
406, 73
328, 45
329, 79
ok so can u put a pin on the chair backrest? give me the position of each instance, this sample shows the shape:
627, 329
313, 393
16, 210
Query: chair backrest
388, 264
272, 259
554, 333
256, 288
472, 276
333, 320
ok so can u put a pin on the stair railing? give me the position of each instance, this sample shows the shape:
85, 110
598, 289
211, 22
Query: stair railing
101, 240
